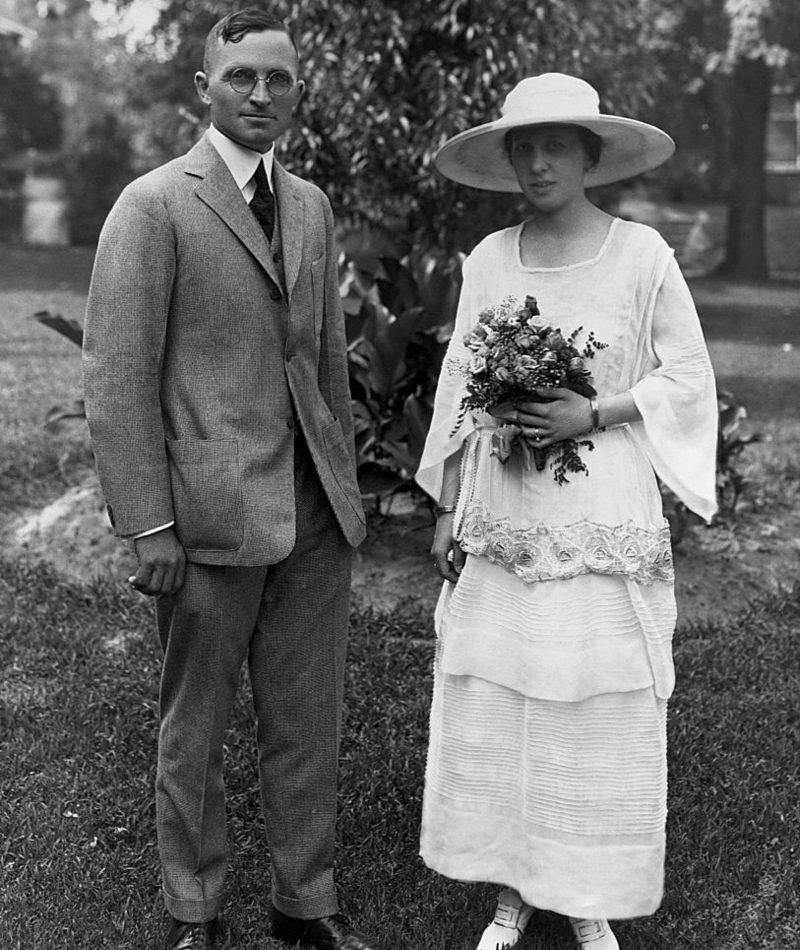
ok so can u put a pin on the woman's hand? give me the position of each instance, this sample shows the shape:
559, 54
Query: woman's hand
567, 416
505, 411
447, 553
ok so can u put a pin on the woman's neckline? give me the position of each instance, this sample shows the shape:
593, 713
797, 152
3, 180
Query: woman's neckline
563, 267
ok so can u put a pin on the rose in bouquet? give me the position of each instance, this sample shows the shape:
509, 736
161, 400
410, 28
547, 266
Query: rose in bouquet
515, 353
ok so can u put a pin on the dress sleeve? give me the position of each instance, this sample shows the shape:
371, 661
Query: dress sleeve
450, 426
677, 399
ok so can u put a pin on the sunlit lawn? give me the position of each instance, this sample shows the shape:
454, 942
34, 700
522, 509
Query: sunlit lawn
38, 369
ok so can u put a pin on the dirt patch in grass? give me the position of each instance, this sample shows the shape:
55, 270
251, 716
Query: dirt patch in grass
72, 534
719, 570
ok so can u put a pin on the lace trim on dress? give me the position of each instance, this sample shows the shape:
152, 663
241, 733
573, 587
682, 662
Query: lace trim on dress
547, 553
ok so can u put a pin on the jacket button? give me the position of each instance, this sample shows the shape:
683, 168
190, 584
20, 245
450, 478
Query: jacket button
277, 257
290, 422
275, 293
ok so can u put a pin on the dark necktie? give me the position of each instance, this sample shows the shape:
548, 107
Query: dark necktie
262, 203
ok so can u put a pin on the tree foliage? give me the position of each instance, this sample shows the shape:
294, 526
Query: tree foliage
763, 36
29, 110
723, 58
29, 119
389, 80
88, 75
96, 170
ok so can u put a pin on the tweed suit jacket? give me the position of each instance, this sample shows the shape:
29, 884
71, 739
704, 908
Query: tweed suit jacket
201, 356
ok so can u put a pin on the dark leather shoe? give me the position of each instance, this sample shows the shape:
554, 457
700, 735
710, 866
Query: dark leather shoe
188, 936
321, 933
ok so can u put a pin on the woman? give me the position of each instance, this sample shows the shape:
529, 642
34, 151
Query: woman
547, 761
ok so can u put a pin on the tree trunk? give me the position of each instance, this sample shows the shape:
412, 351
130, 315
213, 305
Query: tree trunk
751, 84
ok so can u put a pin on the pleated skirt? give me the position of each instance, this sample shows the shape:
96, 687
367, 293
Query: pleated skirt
565, 801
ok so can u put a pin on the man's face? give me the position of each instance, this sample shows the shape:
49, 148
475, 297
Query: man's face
256, 119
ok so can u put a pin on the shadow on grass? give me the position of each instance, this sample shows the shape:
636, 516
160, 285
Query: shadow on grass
764, 396
78, 722
765, 325
46, 268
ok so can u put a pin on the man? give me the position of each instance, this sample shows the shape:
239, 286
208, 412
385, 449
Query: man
217, 396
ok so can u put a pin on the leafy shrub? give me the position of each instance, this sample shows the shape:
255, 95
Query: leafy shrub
96, 172
73, 331
399, 320
731, 441
731, 482
11, 204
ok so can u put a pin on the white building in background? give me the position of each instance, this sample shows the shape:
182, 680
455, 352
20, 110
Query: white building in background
44, 220
44, 212
783, 146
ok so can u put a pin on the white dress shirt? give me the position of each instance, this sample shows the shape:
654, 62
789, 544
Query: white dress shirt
242, 162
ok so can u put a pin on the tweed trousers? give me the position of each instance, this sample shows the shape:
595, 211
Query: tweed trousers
289, 622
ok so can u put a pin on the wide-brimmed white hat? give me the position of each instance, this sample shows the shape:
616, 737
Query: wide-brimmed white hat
478, 156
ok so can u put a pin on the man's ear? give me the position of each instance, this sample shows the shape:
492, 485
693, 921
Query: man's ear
201, 85
301, 88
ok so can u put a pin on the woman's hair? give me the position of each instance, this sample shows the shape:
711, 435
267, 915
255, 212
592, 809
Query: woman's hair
232, 28
591, 141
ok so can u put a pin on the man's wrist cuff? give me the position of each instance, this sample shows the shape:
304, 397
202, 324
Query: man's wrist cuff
144, 534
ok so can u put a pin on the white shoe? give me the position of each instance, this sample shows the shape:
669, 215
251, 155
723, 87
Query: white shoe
510, 920
593, 934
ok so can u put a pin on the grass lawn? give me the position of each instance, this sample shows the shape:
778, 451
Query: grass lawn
38, 368
78, 724
78, 719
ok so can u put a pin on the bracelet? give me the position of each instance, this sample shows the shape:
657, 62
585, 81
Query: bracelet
595, 412
444, 510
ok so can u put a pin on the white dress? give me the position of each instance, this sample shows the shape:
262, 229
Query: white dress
547, 759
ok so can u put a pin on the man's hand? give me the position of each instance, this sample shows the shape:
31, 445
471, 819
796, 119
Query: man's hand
162, 564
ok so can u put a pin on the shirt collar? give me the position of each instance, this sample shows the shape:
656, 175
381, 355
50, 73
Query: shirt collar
242, 162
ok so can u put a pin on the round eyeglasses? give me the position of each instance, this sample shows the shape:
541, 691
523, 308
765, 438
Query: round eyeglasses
244, 81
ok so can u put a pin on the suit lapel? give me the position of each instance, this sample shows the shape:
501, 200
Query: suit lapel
291, 221
219, 191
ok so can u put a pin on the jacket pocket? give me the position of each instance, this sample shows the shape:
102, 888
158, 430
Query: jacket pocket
206, 493
318, 290
342, 465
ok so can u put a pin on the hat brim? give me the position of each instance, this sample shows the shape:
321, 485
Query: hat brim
478, 157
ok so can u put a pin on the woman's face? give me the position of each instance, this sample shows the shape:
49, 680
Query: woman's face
550, 163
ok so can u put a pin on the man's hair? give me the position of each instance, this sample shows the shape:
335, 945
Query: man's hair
232, 28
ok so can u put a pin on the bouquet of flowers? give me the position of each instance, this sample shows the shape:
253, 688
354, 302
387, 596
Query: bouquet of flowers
515, 352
